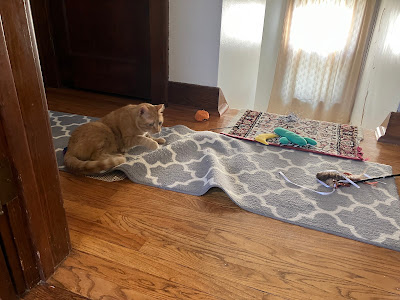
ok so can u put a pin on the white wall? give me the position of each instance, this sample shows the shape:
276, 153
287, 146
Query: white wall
251, 32
379, 89
241, 36
194, 40
275, 11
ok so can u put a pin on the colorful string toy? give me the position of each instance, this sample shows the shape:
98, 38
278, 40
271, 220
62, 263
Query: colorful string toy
334, 179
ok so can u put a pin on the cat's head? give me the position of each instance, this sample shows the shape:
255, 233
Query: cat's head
151, 117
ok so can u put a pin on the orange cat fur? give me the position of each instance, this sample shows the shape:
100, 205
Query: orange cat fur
99, 146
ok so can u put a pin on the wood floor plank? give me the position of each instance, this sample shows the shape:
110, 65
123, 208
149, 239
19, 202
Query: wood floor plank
98, 105
273, 297
146, 220
380, 277
359, 268
207, 264
84, 103
82, 211
46, 291
273, 275
126, 277
172, 272
80, 188
356, 269
91, 286
278, 261
120, 237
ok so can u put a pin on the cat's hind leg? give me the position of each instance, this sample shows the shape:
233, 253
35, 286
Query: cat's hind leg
102, 162
109, 160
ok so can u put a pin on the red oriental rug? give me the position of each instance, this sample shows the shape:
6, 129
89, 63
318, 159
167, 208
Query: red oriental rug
340, 140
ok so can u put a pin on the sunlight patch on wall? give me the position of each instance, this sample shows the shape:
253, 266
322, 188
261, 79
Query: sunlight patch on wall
244, 22
393, 37
320, 28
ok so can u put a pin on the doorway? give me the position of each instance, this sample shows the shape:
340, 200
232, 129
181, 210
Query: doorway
117, 47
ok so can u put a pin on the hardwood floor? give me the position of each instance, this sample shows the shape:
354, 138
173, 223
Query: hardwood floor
137, 242
44, 291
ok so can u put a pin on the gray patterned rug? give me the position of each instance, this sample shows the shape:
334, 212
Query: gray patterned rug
192, 162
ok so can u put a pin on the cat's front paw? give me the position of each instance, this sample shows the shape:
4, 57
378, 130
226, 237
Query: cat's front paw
124, 151
160, 140
153, 145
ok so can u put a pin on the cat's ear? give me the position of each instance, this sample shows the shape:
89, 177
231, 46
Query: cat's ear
143, 110
160, 107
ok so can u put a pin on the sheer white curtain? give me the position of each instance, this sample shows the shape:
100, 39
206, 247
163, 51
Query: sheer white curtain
320, 59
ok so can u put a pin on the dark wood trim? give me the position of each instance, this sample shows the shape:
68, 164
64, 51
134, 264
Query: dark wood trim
33, 105
47, 14
16, 135
159, 31
197, 96
7, 291
16, 208
23, 241
8, 188
44, 40
389, 131
27, 129
10, 249
56, 15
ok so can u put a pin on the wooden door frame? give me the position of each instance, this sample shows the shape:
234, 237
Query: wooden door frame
37, 217
159, 38
7, 290
11, 276
159, 45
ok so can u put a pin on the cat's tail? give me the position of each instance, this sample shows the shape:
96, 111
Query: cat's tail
88, 167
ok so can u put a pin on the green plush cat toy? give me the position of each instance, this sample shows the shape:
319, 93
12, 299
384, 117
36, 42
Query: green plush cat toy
288, 136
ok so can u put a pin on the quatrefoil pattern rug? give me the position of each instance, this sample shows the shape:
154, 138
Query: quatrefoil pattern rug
192, 162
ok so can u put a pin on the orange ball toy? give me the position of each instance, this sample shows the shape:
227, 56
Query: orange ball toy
202, 115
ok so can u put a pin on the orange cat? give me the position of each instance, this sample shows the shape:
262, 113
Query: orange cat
99, 146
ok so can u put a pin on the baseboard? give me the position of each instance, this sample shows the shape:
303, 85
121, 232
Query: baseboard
197, 96
389, 131
222, 103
